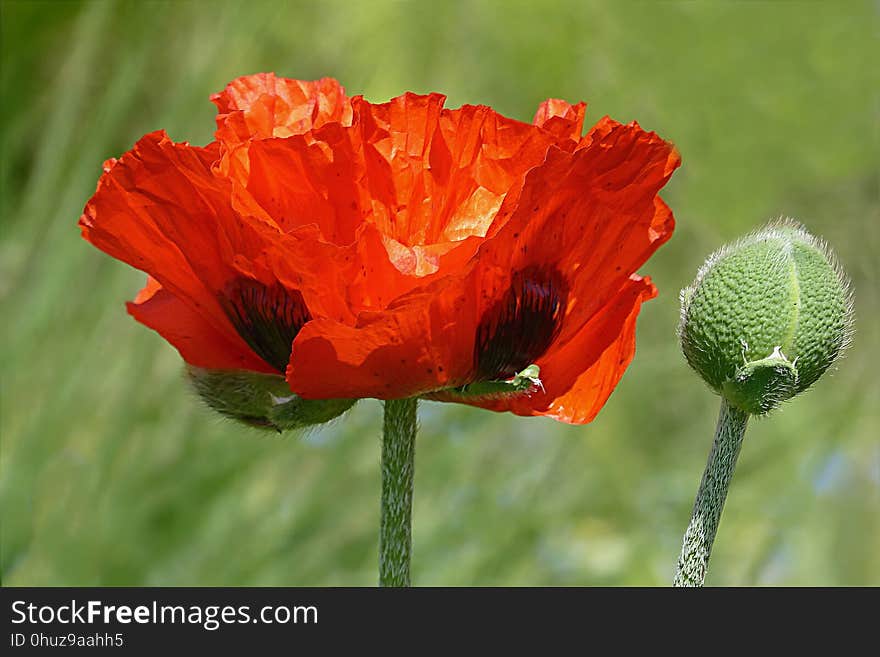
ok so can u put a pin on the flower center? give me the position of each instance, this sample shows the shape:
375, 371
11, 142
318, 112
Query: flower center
519, 327
267, 318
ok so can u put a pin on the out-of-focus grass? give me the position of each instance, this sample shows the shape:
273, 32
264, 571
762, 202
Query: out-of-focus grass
111, 473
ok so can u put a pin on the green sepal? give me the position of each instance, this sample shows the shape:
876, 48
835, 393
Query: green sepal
294, 412
260, 400
760, 386
523, 382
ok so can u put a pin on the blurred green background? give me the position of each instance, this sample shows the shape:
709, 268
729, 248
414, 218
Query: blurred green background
113, 474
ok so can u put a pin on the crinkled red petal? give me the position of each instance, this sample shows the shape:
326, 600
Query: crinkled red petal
579, 376
430, 180
161, 209
198, 342
272, 106
263, 105
563, 119
591, 215
411, 348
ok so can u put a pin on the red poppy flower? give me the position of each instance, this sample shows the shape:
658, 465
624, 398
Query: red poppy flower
396, 249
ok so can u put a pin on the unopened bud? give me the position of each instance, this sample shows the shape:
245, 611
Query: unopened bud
766, 316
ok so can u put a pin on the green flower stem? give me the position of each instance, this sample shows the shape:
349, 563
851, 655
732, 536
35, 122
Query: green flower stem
398, 465
697, 544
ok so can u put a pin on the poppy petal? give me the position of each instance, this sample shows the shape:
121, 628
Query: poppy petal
411, 348
118, 220
435, 175
592, 216
561, 118
579, 377
593, 384
430, 181
160, 209
160, 203
298, 182
198, 342
263, 105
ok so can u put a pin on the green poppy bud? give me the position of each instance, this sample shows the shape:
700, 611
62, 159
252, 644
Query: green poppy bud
262, 400
766, 316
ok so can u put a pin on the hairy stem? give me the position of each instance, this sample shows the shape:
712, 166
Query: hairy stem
697, 544
398, 464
